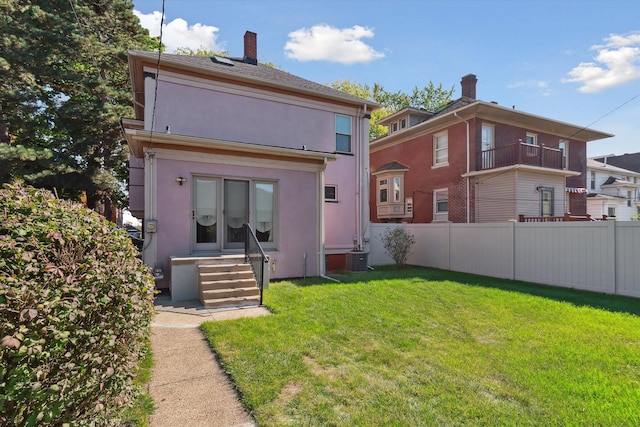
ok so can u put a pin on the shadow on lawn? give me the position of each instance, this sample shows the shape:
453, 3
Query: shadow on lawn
613, 303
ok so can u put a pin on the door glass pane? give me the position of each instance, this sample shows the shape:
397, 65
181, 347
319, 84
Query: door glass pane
547, 202
236, 210
264, 211
205, 211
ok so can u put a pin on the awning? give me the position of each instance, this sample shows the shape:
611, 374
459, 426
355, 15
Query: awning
576, 190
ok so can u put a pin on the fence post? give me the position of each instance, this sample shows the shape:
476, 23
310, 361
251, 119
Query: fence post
611, 226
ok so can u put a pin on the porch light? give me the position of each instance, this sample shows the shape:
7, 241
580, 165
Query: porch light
180, 180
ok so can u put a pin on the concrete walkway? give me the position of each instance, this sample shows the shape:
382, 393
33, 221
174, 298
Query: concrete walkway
187, 384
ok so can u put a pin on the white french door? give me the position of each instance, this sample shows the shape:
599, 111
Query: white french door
205, 214
236, 212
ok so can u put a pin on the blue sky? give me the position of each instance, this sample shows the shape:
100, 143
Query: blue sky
574, 61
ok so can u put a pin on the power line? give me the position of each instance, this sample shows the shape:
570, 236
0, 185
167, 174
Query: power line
605, 115
155, 95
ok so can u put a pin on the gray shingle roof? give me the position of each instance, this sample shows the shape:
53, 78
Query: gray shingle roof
259, 73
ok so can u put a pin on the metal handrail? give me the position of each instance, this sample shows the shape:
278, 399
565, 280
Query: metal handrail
255, 256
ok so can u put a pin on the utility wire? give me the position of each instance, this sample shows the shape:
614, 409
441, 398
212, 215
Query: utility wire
605, 115
155, 95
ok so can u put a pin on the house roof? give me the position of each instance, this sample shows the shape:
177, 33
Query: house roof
391, 166
466, 108
627, 161
612, 180
237, 71
592, 163
418, 112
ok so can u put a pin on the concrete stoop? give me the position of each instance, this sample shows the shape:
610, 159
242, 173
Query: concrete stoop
227, 285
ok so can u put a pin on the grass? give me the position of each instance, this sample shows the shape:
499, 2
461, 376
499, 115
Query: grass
429, 347
138, 414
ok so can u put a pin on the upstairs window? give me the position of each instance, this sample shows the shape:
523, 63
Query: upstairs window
397, 186
440, 149
383, 191
403, 123
593, 180
343, 134
564, 147
531, 139
394, 127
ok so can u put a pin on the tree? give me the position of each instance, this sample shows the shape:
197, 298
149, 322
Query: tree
64, 85
201, 51
430, 98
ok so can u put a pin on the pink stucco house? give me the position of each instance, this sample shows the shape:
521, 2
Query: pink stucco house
220, 142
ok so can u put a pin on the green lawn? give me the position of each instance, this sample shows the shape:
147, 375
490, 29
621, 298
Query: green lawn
430, 347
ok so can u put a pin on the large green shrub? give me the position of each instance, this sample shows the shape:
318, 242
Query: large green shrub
75, 307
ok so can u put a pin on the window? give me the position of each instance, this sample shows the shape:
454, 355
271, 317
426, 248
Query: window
629, 198
440, 149
403, 123
564, 147
441, 205
397, 181
343, 134
611, 211
394, 127
330, 193
382, 191
546, 201
487, 146
532, 139
593, 180
265, 212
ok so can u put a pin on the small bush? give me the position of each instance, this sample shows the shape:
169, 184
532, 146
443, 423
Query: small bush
75, 309
397, 243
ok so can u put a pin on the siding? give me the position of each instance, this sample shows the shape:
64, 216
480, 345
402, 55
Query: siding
496, 198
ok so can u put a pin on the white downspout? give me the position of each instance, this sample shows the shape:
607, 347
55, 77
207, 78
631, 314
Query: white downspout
321, 263
467, 184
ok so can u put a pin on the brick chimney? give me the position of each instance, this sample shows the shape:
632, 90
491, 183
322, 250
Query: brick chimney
251, 48
468, 83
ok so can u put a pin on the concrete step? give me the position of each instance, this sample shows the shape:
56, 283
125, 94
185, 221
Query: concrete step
218, 268
229, 293
227, 284
232, 302
226, 275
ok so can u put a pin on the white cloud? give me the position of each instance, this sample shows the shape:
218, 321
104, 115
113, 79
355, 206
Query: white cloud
326, 43
617, 62
178, 33
540, 85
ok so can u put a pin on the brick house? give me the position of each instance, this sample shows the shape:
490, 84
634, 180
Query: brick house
476, 161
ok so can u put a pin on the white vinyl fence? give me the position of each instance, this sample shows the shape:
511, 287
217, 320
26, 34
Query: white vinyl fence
594, 256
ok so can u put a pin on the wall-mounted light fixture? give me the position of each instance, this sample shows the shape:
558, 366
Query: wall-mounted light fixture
180, 180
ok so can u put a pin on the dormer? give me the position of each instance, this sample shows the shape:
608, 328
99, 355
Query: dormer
404, 119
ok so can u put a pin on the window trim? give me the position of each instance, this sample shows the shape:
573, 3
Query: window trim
534, 137
544, 190
436, 137
383, 186
273, 245
350, 134
335, 192
565, 153
438, 214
